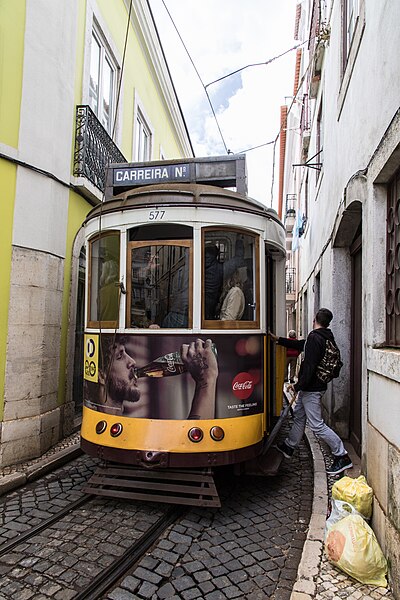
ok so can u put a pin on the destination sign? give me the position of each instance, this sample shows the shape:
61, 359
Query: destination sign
147, 175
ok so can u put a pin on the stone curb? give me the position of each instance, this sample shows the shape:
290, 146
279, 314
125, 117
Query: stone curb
42, 467
305, 585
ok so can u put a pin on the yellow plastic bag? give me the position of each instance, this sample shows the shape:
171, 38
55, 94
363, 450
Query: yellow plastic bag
355, 491
339, 511
352, 546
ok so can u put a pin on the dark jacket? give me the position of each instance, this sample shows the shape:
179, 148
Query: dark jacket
213, 279
314, 350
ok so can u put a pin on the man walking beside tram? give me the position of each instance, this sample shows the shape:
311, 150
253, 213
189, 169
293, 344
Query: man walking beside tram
315, 371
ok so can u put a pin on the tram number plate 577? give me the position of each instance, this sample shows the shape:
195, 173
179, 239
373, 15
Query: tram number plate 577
156, 215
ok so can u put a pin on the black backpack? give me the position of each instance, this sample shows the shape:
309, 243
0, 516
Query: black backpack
330, 365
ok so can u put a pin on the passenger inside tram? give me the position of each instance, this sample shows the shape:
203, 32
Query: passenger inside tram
108, 289
213, 280
232, 298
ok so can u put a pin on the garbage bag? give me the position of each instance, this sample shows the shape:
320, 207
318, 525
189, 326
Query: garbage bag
355, 491
340, 510
351, 545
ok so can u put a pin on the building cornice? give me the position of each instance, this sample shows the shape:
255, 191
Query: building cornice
144, 25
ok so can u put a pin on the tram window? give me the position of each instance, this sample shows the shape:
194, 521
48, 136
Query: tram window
103, 280
230, 279
159, 284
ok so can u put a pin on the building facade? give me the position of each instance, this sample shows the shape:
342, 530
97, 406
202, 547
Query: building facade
84, 83
342, 173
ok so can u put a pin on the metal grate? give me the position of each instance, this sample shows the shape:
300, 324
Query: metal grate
193, 487
291, 200
94, 149
393, 264
291, 280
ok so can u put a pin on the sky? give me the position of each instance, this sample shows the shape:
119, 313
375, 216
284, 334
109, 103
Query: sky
222, 36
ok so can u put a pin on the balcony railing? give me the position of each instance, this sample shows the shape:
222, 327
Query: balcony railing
290, 212
94, 148
291, 203
290, 280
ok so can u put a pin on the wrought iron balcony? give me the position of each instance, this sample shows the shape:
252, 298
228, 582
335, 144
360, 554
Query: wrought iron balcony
94, 148
290, 212
290, 280
291, 203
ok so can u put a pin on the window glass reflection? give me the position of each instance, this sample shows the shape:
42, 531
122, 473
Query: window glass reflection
228, 276
104, 277
159, 286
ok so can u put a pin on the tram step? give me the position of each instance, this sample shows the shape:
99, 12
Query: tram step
194, 487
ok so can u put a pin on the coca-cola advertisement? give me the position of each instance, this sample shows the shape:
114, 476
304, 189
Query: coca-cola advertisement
174, 376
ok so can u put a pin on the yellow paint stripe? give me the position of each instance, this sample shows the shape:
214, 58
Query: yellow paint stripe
171, 435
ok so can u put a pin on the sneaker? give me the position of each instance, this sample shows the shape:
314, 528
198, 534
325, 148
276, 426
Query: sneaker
340, 464
284, 449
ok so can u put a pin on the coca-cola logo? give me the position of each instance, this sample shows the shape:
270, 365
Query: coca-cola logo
170, 362
242, 385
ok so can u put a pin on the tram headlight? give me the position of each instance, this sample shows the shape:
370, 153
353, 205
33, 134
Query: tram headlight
195, 434
116, 430
101, 427
217, 433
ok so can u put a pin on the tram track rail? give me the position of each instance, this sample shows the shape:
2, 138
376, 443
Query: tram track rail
111, 575
30, 533
108, 578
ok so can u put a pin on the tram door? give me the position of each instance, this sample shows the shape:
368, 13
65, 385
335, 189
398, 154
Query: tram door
77, 390
270, 358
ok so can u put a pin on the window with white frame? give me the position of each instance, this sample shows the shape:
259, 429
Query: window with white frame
320, 139
350, 14
142, 138
353, 9
103, 79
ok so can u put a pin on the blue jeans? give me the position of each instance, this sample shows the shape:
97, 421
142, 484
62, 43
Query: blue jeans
308, 409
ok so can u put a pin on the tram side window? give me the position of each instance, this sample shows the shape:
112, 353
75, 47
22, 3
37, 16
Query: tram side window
103, 280
229, 282
159, 291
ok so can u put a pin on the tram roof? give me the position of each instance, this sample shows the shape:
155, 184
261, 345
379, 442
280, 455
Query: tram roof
185, 195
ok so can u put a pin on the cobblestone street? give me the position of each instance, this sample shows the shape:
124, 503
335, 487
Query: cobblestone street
249, 548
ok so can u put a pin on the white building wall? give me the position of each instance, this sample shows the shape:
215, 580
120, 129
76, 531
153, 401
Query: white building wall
47, 108
361, 142
32, 418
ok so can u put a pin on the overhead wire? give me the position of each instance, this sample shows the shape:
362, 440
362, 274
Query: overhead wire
230, 74
198, 75
294, 98
205, 86
259, 64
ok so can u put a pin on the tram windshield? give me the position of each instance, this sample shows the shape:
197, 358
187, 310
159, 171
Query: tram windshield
159, 279
229, 281
159, 294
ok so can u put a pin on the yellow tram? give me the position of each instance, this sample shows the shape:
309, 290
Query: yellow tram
184, 278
